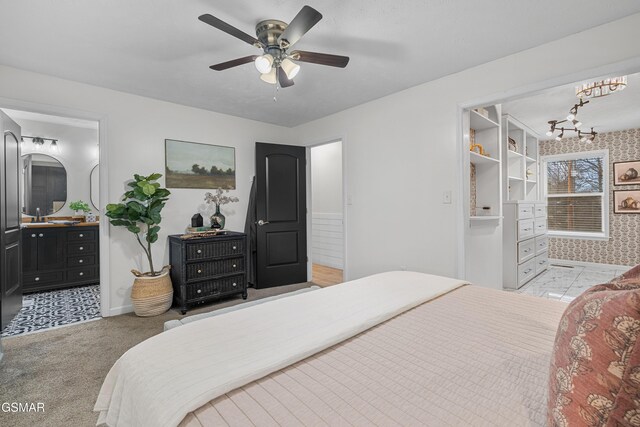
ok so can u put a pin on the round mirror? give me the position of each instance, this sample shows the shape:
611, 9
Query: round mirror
44, 184
95, 186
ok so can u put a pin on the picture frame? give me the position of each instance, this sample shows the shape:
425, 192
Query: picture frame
626, 201
626, 173
197, 165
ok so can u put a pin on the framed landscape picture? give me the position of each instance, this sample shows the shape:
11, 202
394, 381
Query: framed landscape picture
195, 165
626, 202
626, 173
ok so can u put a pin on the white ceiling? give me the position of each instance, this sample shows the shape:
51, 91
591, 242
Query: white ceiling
618, 111
59, 120
158, 48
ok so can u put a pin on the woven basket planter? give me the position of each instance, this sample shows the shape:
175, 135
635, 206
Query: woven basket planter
152, 295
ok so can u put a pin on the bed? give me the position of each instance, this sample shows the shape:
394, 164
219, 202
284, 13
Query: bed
397, 348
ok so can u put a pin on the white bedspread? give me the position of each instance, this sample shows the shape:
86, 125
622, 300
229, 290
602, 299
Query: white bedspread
159, 381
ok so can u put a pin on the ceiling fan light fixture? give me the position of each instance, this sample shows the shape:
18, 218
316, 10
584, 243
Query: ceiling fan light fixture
264, 63
290, 68
269, 77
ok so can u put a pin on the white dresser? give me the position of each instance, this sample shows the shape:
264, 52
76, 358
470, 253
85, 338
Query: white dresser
525, 242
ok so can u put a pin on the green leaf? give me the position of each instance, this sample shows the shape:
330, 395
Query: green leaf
154, 176
154, 229
134, 229
136, 206
138, 177
162, 192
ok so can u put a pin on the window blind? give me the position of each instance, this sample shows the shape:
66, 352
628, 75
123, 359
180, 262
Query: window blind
575, 194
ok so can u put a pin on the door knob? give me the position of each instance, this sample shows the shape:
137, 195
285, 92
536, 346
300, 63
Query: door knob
261, 222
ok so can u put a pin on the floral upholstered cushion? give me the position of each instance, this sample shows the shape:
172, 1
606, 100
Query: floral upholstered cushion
633, 274
595, 369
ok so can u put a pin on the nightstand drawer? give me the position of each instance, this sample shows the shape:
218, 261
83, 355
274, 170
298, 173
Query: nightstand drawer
540, 226
525, 211
526, 250
81, 274
540, 210
81, 261
81, 236
542, 243
196, 251
81, 248
208, 288
542, 262
525, 229
203, 270
39, 279
526, 271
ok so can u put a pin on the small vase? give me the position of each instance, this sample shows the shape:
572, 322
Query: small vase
217, 219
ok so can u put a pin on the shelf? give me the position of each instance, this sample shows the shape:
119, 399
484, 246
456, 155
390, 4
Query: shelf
531, 181
515, 178
513, 154
530, 160
485, 218
480, 122
480, 159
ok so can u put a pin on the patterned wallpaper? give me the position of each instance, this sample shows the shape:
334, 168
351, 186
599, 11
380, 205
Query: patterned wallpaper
623, 246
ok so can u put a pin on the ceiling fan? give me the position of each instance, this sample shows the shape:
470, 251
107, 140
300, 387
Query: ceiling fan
276, 65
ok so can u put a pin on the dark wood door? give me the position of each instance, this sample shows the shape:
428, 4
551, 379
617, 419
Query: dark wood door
51, 248
10, 255
281, 212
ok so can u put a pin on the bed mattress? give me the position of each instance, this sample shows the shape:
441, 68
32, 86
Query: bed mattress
473, 356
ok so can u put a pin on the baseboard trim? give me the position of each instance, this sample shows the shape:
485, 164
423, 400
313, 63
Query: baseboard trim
124, 309
587, 264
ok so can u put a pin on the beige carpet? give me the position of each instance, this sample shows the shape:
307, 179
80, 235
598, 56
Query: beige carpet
64, 368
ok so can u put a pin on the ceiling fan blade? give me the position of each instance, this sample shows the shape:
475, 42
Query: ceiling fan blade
303, 22
229, 29
320, 58
233, 63
283, 79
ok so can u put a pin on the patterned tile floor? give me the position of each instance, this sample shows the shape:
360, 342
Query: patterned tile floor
566, 283
52, 309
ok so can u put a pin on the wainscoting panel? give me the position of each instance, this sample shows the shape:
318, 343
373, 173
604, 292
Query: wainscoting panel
328, 240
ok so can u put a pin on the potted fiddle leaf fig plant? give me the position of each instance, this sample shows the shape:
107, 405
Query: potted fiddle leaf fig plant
81, 208
140, 213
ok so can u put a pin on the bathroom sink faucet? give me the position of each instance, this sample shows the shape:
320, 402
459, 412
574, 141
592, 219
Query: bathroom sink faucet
38, 218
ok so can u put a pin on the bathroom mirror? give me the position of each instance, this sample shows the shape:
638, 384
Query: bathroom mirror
44, 184
95, 186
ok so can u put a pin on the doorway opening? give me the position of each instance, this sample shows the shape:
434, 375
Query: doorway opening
327, 237
58, 177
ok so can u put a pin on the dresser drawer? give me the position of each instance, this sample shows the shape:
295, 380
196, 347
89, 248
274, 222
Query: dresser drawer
203, 270
525, 229
542, 244
81, 236
80, 261
540, 226
526, 272
207, 288
81, 248
82, 274
39, 279
525, 211
540, 210
196, 251
542, 262
526, 250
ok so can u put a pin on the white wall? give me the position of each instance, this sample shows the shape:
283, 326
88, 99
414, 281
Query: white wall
326, 203
402, 150
78, 154
136, 130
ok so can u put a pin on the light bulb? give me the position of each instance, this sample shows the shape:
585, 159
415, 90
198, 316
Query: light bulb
549, 133
290, 68
269, 77
558, 138
54, 147
263, 63
583, 139
571, 116
577, 123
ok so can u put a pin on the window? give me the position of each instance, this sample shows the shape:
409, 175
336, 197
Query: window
576, 188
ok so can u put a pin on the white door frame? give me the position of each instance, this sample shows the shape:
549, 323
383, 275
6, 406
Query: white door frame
630, 66
345, 268
55, 110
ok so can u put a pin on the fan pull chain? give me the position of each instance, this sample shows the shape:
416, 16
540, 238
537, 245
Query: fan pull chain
275, 92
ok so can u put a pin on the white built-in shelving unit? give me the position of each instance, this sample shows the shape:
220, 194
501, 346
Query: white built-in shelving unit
521, 169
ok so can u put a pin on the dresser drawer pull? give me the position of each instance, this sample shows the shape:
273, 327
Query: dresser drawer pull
199, 291
234, 266
81, 274
199, 251
234, 248
199, 271
80, 261
40, 235
37, 279
542, 262
235, 284
81, 235
526, 251
526, 229
527, 271
33, 235
80, 248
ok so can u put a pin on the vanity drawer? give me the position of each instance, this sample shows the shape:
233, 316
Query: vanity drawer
81, 248
540, 210
542, 262
196, 251
81, 274
40, 279
225, 285
542, 243
202, 270
526, 272
525, 211
540, 226
80, 261
525, 229
81, 236
526, 250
